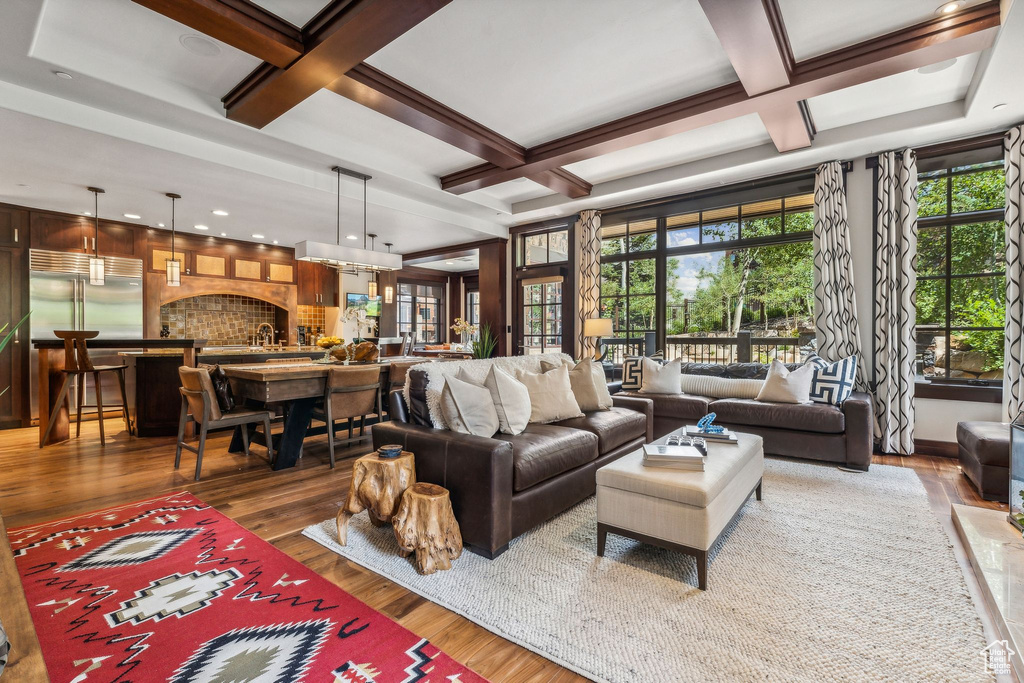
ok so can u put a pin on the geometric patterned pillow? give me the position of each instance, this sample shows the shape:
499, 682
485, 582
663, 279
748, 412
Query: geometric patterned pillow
633, 371
832, 382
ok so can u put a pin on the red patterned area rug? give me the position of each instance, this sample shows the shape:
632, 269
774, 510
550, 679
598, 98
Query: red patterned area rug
169, 589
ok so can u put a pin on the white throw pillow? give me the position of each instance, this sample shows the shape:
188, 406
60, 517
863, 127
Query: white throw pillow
551, 398
661, 379
720, 387
588, 384
468, 408
511, 400
785, 386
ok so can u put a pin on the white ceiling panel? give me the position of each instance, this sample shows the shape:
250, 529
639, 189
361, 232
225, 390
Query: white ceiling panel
893, 95
49, 165
816, 27
298, 12
720, 138
456, 265
537, 69
514, 191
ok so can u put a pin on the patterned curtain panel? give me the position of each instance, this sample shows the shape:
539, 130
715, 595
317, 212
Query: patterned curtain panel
835, 303
588, 243
1013, 377
895, 311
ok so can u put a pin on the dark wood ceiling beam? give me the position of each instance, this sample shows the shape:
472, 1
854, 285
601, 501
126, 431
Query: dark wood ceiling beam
344, 34
563, 182
970, 30
239, 23
754, 38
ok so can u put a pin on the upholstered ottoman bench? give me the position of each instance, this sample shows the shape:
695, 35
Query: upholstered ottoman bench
985, 457
677, 509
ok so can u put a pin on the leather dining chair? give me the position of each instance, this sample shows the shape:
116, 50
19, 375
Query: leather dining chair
391, 346
199, 403
78, 365
350, 392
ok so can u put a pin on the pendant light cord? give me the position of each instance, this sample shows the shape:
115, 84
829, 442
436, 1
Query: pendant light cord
337, 172
364, 213
96, 215
172, 228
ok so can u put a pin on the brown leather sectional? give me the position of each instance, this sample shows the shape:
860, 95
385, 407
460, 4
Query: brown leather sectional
503, 486
816, 431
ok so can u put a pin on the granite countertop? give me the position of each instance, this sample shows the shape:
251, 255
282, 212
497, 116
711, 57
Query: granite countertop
312, 351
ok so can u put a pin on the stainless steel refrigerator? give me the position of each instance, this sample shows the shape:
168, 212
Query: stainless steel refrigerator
62, 299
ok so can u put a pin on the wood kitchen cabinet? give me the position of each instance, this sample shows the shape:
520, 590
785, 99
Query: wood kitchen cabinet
57, 232
318, 284
14, 359
13, 227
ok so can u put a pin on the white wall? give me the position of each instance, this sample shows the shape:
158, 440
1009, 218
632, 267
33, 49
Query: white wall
936, 419
355, 284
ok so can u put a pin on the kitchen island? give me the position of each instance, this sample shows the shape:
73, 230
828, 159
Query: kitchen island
155, 403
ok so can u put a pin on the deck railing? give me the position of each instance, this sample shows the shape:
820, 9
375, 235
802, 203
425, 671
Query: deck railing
743, 348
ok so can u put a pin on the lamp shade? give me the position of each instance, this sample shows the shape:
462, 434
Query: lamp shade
173, 273
371, 289
389, 294
97, 275
597, 327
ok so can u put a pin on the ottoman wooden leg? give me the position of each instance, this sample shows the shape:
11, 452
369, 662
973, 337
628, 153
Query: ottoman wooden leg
757, 491
602, 536
702, 569
425, 525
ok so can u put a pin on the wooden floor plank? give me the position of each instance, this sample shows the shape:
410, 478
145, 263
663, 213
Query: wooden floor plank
80, 476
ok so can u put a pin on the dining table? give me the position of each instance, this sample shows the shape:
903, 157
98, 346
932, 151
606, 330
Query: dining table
295, 386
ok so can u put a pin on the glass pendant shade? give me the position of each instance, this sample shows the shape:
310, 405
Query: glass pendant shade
371, 288
173, 273
96, 271
389, 294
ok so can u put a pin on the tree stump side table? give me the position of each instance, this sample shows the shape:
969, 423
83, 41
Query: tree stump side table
425, 525
377, 487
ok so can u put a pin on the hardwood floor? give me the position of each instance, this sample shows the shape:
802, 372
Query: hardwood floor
79, 475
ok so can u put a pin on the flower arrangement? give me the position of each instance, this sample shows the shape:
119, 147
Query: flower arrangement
329, 342
462, 327
364, 324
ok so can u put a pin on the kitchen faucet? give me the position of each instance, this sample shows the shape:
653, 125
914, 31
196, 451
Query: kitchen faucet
268, 338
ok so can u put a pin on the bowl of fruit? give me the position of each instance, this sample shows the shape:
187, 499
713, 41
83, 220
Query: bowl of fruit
328, 344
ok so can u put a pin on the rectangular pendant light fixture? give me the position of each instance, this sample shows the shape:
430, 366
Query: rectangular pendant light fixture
173, 273
389, 294
97, 276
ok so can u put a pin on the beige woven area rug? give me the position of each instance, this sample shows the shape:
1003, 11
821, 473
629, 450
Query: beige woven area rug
834, 576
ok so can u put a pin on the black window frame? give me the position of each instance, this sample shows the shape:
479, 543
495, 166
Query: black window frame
520, 246
414, 328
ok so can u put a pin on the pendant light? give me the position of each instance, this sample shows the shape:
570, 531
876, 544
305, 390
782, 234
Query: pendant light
97, 275
344, 257
172, 265
371, 286
389, 291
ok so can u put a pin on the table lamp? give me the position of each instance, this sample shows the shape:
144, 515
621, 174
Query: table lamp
598, 328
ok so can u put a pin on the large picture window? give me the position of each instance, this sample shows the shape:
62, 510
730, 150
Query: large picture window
419, 311
961, 287
719, 284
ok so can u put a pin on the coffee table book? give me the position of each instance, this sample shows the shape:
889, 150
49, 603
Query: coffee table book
674, 457
723, 437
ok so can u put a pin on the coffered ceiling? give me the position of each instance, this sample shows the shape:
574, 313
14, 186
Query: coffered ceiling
471, 83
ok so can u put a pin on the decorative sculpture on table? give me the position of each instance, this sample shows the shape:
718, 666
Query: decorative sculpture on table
704, 424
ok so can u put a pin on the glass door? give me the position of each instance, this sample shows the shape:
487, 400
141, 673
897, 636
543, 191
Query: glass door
541, 315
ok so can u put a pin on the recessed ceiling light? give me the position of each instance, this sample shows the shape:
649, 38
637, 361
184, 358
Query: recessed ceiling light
937, 67
87, 213
997, 107
220, 212
949, 7
255, 236
201, 227
449, 263
199, 45
275, 241
133, 216
351, 237
22, 185
223, 234
63, 75
160, 225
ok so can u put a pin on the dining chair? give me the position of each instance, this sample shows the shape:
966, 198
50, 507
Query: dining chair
78, 365
398, 372
407, 349
350, 392
391, 346
199, 404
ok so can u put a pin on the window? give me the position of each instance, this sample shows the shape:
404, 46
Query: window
419, 311
738, 279
541, 248
542, 315
961, 287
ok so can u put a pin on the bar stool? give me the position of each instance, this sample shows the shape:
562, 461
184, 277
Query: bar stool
77, 364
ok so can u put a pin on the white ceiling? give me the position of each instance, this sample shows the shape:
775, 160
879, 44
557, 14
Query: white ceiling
454, 265
143, 113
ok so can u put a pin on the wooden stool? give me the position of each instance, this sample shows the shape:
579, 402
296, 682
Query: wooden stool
77, 364
377, 487
425, 524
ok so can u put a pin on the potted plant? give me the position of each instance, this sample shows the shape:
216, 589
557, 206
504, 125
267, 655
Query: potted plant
484, 346
464, 328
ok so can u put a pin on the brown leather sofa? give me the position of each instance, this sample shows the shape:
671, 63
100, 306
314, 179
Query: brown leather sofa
503, 486
816, 431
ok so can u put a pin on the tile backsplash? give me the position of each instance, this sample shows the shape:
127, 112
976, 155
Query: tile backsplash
312, 317
221, 318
